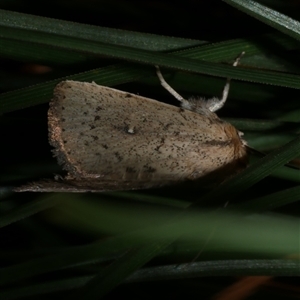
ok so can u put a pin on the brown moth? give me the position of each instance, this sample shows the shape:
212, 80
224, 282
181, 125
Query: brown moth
107, 139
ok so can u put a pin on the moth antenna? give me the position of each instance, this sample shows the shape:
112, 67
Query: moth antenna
214, 105
169, 88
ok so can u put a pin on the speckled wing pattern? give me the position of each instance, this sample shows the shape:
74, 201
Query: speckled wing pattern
102, 136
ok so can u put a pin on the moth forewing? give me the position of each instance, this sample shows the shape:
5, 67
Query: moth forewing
100, 132
107, 139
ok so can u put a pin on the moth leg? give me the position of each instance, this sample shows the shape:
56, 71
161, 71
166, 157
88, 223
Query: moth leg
169, 88
215, 104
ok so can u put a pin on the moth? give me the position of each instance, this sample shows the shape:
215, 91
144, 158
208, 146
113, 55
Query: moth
107, 139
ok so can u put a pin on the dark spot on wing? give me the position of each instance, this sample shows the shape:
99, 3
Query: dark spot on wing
165, 127
182, 113
162, 141
149, 169
130, 170
118, 156
218, 143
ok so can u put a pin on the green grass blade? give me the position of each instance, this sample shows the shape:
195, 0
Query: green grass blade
48, 36
120, 269
36, 24
153, 58
269, 16
271, 201
43, 92
272, 267
26, 210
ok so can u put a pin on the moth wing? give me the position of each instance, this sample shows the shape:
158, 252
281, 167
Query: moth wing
80, 185
106, 134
